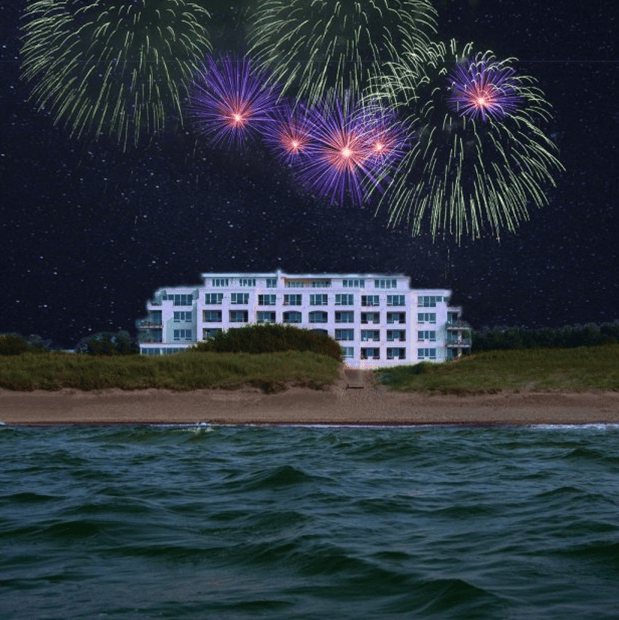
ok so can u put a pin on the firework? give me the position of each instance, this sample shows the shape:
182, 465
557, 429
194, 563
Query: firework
112, 68
232, 99
289, 135
312, 47
342, 157
467, 172
484, 88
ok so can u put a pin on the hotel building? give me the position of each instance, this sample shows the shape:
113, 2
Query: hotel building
377, 319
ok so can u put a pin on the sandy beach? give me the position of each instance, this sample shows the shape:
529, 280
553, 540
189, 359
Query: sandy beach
344, 403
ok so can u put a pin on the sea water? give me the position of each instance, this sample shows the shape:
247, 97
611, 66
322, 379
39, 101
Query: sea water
317, 522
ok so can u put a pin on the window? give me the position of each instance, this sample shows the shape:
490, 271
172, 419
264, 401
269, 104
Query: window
271, 282
247, 281
213, 299
211, 316
428, 301
182, 334
344, 299
182, 316
396, 317
396, 353
370, 354
321, 283
221, 282
318, 300
266, 300
370, 300
238, 316
396, 335
347, 283
185, 299
395, 300
370, 334
426, 354
292, 317
426, 335
292, 300
344, 334
344, 317
210, 332
295, 283
348, 352
426, 317
239, 298
370, 317
385, 283
318, 316
266, 317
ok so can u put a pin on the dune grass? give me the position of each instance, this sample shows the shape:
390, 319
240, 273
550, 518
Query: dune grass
270, 372
570, 370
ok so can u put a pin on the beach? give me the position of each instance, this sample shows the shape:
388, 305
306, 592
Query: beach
354, 399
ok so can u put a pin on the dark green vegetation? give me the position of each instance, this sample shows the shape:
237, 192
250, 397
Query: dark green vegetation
270, 372
573, 370
270, 339
568, 337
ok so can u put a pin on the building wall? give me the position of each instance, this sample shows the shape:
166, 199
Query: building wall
193, 300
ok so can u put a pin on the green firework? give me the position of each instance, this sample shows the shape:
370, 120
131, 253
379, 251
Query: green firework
116, 68
315, 45
464, 176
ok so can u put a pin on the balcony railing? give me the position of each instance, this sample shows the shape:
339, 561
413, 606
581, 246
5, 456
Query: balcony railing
460, 342
149, 324
458, 325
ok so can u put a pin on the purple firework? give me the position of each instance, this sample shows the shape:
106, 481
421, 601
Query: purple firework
232, 99
483, 88
289, 135
341, 159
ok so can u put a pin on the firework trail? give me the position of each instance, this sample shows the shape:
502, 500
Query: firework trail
312, 47
119, 69
232, 100
289, 136
472, 166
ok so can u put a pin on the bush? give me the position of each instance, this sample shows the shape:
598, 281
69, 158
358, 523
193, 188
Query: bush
12, 344
270, 339
107, 343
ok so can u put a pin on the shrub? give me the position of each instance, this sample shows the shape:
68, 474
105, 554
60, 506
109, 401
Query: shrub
270, 339
12, 344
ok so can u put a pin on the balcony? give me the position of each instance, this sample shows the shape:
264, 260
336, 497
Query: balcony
458, 325
458, 342
149, 324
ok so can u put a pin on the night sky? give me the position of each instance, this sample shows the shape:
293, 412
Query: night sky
88, 232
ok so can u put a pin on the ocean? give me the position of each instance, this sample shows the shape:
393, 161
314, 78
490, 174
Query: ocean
229, 522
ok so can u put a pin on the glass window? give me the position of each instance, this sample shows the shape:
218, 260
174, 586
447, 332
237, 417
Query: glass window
271, 282
370, 354
385, 283
344, 334
395, 300
344, 299
182, 316
295, 283
292, 317
213, 299
239, 298
210, 332
348, 352
247, 281
396, 334
318, 300
266, 300
344, 317
428, 301
396, 317
238, 316
426, 335
321, 283
182, 334
352, 283
396, 353
426, 317
221, 282
266, 317
370, 334
184, 299
292, 300
370, 317
318, 316
211, 316
426, 354
370, 300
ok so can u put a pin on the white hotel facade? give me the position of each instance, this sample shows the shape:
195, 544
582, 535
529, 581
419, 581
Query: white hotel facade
377, 319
